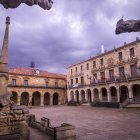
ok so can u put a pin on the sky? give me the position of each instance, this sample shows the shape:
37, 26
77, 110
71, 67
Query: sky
70, 32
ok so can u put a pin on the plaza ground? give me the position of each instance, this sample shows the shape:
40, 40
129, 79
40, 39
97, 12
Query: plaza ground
92, 123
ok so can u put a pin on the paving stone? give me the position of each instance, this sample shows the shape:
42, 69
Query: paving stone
93, 123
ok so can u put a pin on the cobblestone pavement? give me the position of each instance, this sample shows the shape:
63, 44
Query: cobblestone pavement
92, 123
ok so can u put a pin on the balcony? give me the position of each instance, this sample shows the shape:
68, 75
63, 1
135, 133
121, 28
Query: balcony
77, 86
102, 68
32, 86
133, 59
93, 70
121, 63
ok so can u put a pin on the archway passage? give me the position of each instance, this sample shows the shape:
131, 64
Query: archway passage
113, 92
96, 94
83, 96
14, 97
123, 94
24, 98
136, 93
55, 99
36, 99
77, 96
47, 99
71, 96
104, 94
89, 95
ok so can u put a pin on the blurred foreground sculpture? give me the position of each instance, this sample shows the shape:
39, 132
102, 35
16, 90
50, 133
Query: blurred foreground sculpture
45, 4
13, 118
127, 26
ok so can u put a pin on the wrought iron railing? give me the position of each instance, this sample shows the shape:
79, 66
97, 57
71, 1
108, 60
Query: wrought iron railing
108, 81
33, 86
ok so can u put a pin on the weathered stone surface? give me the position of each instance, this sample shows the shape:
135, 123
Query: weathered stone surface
65, 131
45, 4
127, 26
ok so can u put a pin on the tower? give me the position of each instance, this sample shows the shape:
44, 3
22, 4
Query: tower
4, 60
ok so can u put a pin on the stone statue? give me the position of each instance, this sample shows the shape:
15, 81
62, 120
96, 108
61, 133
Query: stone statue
45, 4
127, 26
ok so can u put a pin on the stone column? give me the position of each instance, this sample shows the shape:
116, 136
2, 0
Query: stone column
130, 93
18, 100
42, 100
118, 94
51, 100
80, 97
75, 99
68, 95
4, 61
108, 95
30, 101
92, 97
100, 95
86, 96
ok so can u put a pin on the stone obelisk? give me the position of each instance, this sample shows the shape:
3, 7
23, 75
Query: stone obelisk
4, 61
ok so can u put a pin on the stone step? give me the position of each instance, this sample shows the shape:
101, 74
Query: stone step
134, 105
86, 104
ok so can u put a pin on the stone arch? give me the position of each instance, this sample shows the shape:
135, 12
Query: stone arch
83, 96
136, 92
104, 94
47, 98
96, 94
89, 95
55, 98
71, 96
14, 96
123, 93
77, 96
24, 98
36, 98
113, 93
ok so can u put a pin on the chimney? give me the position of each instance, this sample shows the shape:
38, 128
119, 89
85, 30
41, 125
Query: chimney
102, 49
137, 38
125, 43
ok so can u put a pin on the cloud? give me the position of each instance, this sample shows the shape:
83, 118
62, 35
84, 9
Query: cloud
70, 32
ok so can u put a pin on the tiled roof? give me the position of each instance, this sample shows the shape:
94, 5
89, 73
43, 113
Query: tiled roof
32, 72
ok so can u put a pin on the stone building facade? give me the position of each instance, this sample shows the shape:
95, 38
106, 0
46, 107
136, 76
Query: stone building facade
112, 76
36, 87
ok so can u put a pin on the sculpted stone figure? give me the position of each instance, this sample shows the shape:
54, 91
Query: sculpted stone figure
45, 4
127, 26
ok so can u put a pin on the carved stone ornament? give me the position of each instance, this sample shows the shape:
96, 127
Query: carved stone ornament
110, 61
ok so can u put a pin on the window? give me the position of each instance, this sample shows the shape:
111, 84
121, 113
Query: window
122, 72
56, 83
134, 70
71, 71
120, 56
82, 80
132, 54
47, 84
111, 74
87, 66
76, 80
71, 82
26, 83
102, 76
94, 64
13, 82
101, 61
81, 68
76, 69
